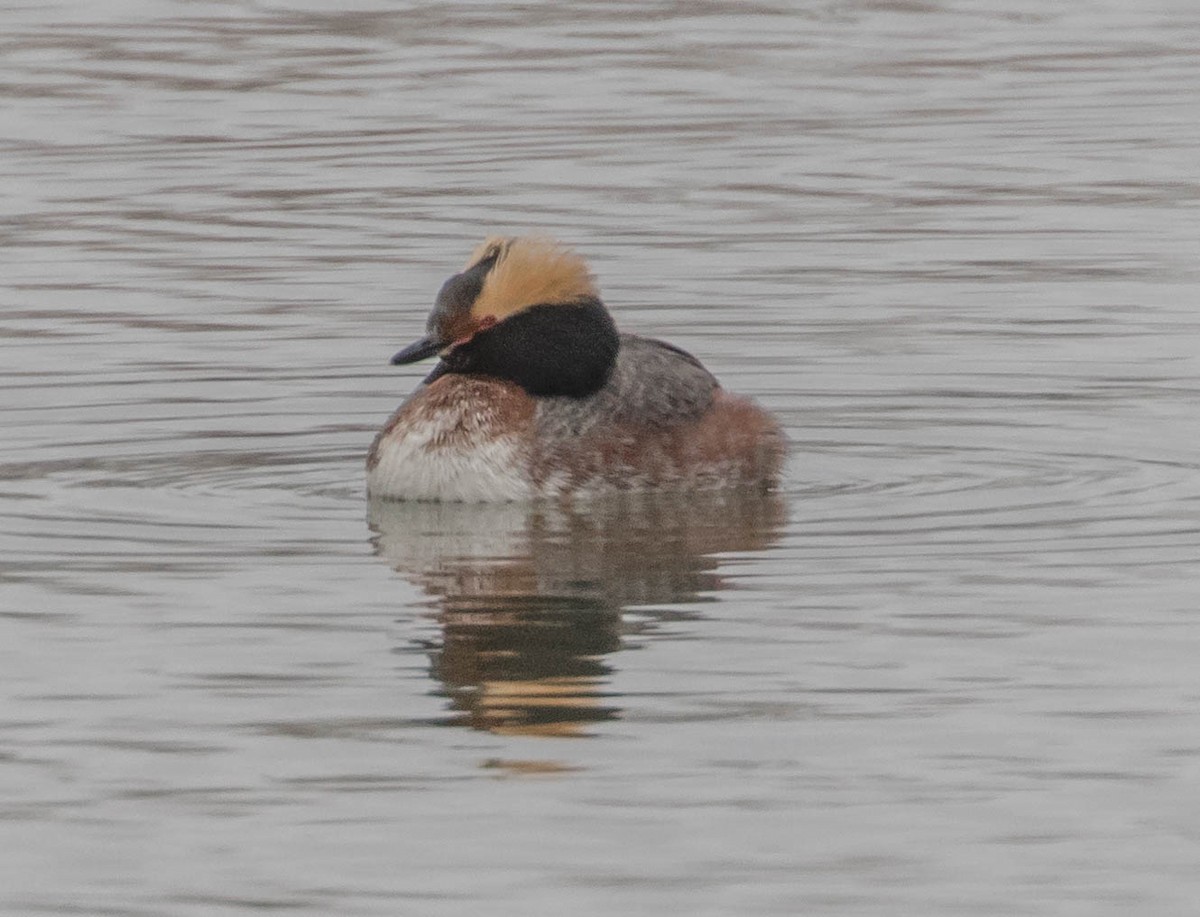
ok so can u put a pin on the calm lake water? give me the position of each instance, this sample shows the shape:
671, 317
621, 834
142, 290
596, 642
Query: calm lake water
952, 668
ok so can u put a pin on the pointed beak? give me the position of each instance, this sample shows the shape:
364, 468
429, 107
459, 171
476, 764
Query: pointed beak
418, 350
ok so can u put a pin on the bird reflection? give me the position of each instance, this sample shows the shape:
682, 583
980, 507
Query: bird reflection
529, 598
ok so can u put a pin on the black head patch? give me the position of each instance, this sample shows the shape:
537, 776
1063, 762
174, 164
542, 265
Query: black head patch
562, 349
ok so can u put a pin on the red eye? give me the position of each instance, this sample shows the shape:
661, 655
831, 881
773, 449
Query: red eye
483, 325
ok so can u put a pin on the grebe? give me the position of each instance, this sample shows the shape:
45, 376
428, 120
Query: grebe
537, 394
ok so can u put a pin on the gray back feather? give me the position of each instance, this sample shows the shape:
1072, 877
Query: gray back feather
652, 384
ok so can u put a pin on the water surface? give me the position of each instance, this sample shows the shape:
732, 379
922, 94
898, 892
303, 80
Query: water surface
949, 669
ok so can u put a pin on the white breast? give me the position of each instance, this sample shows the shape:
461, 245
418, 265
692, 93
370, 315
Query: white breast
422, 460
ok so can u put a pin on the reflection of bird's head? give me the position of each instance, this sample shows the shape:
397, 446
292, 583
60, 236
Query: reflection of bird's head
529, 598
524, 309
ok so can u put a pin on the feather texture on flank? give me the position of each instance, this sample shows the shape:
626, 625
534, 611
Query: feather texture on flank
458, 439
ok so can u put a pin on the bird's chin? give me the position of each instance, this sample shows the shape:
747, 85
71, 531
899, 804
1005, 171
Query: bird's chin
436, 373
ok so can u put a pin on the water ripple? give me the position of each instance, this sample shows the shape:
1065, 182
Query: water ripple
951, 245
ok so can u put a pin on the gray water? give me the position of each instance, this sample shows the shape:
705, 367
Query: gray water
952, 668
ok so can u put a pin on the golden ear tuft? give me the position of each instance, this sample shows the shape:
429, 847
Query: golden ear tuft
530, 272
492, 245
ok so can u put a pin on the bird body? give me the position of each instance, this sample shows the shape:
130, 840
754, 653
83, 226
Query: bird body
537, 395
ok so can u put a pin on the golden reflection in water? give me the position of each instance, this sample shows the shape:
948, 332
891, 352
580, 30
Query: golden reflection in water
529, 598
